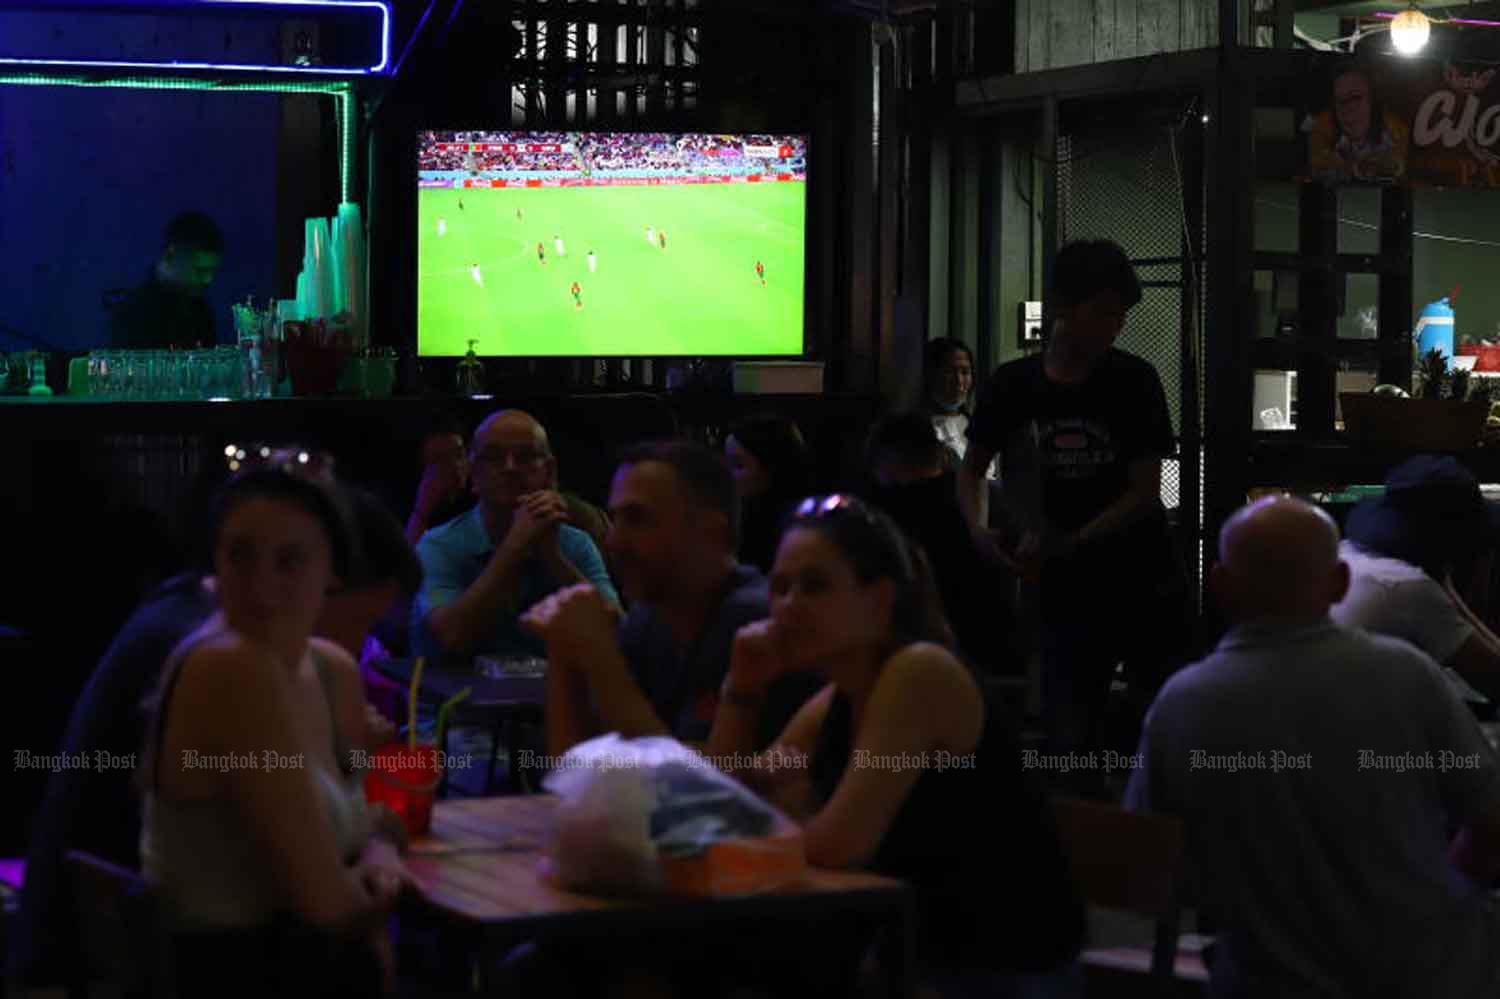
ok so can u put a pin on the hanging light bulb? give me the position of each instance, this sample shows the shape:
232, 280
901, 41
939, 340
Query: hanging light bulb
1410, 30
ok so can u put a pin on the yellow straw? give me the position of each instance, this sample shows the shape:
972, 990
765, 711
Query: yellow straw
411, 702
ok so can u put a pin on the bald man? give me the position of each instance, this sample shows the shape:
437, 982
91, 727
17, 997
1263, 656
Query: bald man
1318, 772
511, 550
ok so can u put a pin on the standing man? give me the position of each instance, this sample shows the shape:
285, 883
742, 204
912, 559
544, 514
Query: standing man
760, 272
1081, 431
514, 548
557, 241
476, 275
576, 290
593, 265
651, 235
661, 237
169, 309
541, 253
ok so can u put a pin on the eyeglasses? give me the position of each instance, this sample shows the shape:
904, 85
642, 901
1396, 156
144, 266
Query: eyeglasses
522, 456
290, 460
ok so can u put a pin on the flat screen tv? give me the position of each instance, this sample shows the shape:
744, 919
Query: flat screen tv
610, 244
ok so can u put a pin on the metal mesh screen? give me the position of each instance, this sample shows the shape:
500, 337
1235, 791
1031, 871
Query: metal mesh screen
1123, 182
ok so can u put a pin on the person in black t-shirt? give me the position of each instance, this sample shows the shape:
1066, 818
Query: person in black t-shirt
1081, 431
168, 309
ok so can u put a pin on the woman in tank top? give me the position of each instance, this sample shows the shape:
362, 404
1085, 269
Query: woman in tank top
256, 838
899, 765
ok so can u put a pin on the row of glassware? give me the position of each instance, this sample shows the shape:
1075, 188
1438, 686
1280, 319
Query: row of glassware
222, 372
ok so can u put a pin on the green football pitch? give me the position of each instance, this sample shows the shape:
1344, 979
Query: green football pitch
699, 296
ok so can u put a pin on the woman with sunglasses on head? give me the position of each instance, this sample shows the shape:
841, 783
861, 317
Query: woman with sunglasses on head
255, 840
899, 765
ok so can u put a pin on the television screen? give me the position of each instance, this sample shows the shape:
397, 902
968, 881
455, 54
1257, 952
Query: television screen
600, 244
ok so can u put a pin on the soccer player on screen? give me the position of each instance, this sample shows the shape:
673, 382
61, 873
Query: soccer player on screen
593, 264
460, 204
662, 237
442, 227
474, 273
760, 272
651, 235
541, 253
561, 251
577, 293
519, 216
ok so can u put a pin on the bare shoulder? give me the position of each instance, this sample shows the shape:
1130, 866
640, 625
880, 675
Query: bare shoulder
931, 668
334, 655
928, 674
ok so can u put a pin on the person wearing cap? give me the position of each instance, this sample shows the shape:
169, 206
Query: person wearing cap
168, 310
1402, 549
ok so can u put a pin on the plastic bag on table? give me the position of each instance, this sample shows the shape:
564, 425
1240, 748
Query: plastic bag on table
643, 816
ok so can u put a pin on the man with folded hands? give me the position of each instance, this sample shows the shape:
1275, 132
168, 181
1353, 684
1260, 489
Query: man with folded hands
486, 566
674, 532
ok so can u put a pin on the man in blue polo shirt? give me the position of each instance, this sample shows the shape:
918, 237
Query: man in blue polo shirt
484, 567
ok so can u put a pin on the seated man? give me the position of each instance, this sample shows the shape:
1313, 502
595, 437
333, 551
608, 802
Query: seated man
443, 492
915, 484
511, 550
98, 809
1401, 549
1317, 771
673, 537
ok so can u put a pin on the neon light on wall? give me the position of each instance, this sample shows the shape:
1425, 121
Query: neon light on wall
341, 92
378, 68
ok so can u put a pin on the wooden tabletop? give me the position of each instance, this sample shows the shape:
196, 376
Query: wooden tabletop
482, 865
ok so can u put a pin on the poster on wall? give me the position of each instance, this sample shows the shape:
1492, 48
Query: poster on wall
1410, 122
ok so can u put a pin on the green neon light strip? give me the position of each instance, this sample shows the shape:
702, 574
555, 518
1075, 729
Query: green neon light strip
341, 92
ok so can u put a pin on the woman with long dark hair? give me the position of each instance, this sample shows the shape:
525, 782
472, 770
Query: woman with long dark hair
885, 767
772, 470
255, 838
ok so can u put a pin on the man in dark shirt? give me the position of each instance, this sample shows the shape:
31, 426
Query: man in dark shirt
675, 529
1081, 431
169, 309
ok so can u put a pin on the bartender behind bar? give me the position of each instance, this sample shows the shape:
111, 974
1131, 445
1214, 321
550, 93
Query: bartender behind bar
169, 309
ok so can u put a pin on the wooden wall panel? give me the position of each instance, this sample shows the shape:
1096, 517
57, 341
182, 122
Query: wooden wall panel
1037, 35
1054, 33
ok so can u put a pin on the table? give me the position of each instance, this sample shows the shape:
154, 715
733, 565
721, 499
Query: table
479, 871
502, 704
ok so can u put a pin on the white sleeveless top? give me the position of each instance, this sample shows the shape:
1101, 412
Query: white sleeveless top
203, 860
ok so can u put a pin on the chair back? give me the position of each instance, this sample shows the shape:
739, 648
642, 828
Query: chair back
1130, 862
118, 929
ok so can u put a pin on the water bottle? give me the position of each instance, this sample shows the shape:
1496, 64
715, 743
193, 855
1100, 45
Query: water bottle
1435, 328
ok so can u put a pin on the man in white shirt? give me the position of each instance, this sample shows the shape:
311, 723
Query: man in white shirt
1401, 549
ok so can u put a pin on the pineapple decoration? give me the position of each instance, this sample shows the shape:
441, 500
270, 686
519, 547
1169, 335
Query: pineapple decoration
1432, 375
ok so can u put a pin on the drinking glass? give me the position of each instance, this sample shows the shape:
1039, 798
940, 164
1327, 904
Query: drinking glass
226, 378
